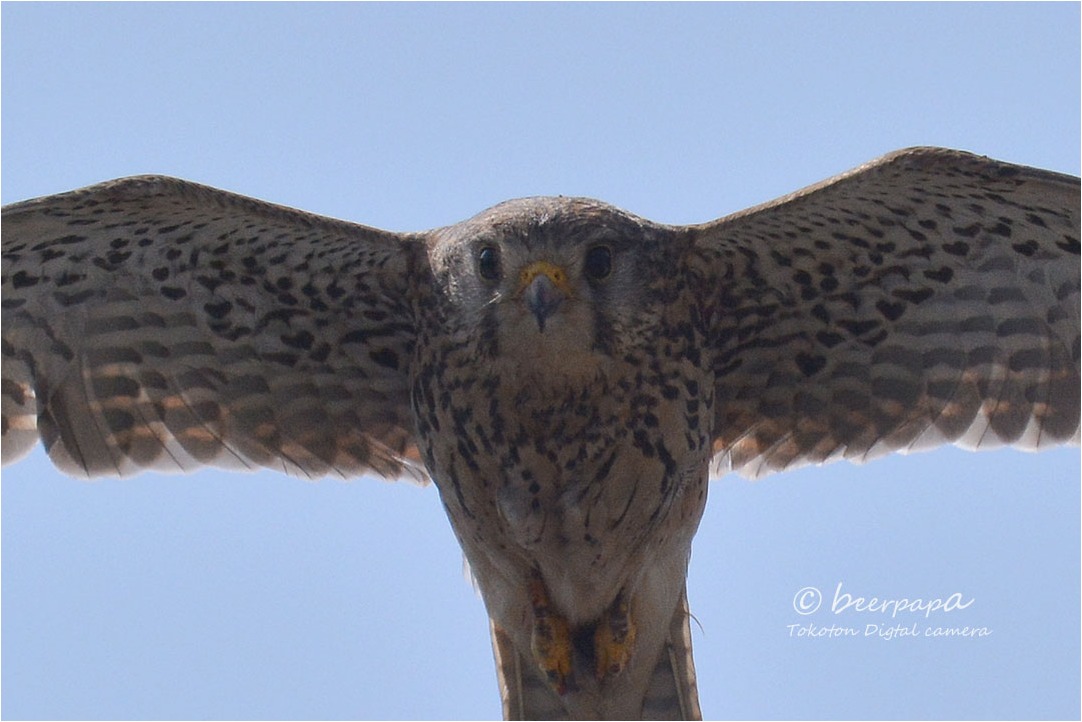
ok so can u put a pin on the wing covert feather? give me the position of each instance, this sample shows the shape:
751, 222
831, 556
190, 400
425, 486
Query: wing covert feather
151, 322
928, 297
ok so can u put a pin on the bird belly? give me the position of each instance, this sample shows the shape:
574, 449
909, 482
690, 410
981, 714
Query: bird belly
582, 488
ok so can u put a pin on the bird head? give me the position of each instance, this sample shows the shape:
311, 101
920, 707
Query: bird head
551, 280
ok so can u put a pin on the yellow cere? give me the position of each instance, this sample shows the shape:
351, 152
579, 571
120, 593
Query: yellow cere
556, 274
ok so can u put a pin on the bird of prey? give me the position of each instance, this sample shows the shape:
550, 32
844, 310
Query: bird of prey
568, 374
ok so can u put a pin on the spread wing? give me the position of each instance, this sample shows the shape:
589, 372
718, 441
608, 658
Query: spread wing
153, 323
929, 297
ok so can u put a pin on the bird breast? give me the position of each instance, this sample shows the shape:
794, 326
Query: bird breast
577, 482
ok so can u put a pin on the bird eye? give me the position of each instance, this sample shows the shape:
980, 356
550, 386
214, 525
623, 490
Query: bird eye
598, 263
488, 263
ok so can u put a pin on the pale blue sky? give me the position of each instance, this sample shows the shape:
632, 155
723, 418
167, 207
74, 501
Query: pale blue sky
258, 595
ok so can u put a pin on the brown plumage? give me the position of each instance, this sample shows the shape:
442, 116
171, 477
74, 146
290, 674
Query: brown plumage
566, 372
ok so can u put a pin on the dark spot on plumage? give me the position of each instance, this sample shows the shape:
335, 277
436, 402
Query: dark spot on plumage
208, 282
335, 291
642, 442
829, 338
105, 387
173, 293
1000, 229
819, 311
1016, 326
467, 450
172, 254
1027, 248
942, 275
780, 258
967, 231
66, 279
1069, 244
669, 462
808, 364
1036, 220
50, 253
917, 295
117, 420
1027, 359
287, 299
22, 279
284, 315
218, 310
958, 248
927, 224
942, 390
375, 315
385, 357
886, 387
857, 328
876, 338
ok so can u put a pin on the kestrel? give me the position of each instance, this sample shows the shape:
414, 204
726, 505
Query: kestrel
567, 373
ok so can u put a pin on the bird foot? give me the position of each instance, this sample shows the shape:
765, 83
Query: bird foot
613, 639
554, 642
551, 640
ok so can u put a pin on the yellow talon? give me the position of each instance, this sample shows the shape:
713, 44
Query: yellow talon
551, 639
614, 639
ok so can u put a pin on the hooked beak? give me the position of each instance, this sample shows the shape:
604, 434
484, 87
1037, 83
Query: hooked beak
543, 287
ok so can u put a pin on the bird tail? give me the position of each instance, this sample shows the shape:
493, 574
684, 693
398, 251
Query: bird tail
671, 692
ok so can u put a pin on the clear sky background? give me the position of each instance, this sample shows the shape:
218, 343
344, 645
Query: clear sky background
258, 595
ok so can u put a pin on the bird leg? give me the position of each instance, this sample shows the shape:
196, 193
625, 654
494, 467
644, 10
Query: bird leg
551, 639
614, 638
